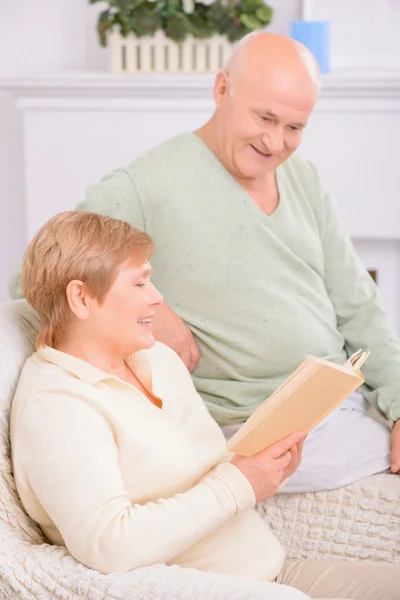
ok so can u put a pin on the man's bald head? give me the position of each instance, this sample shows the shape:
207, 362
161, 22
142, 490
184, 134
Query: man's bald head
262, 56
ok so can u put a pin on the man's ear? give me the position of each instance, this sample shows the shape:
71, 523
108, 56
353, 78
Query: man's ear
78, 299
221, 87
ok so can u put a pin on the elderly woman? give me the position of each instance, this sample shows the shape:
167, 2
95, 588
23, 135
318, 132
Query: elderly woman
115, 455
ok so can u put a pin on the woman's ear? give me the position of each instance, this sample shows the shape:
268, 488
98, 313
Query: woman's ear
78, 299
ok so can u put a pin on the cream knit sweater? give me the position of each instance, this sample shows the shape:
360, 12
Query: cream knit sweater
124, 484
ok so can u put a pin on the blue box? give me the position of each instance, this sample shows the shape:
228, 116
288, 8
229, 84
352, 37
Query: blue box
315, 35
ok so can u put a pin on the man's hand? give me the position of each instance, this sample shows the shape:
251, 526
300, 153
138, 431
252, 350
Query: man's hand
395, 445
169, 329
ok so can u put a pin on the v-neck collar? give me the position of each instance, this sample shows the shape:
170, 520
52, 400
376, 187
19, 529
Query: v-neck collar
138, 362
253, 206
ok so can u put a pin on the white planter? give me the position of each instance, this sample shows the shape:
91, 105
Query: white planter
158, 54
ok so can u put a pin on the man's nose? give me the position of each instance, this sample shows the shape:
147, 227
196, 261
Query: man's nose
273, 142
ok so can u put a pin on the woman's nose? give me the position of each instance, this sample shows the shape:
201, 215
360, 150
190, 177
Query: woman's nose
155, 296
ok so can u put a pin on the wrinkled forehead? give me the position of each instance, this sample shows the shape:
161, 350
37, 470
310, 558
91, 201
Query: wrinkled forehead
277, 87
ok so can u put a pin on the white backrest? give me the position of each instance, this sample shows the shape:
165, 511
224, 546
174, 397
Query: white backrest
19, 325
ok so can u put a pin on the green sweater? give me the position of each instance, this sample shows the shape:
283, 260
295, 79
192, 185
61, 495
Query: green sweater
259, 292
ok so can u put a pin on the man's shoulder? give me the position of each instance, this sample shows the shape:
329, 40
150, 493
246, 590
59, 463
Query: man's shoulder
123, 193
173, 152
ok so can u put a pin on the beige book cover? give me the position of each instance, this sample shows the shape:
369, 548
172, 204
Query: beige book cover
313, 391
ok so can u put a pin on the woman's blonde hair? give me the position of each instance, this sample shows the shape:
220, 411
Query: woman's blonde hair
76, 245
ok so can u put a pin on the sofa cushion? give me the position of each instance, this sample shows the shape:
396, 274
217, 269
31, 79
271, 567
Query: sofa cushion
18, 328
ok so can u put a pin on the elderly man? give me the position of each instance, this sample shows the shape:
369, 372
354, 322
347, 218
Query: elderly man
254, 263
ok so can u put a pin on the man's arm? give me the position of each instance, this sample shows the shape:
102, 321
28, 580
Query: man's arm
360, 316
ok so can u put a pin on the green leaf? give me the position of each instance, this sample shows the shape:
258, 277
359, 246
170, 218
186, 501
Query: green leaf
167, 9
145, 20
104, 16
232, 18
264, 14
128, 4
102, 32
236, 32
249, 7
220, 17
251, 22
104, 23
202, 25
177, 27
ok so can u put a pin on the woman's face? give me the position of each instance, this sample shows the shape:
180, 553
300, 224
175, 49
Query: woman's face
124, 319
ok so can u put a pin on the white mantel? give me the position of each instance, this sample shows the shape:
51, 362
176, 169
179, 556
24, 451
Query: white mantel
83, 84
78, 126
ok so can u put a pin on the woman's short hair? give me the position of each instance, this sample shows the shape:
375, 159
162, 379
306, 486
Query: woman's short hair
76, 245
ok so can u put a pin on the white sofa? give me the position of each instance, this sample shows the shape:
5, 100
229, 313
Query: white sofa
360, 521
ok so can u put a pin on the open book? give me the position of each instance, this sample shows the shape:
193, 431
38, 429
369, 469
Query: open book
313, 391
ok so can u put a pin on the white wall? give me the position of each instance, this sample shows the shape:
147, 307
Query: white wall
53, 35
368, 35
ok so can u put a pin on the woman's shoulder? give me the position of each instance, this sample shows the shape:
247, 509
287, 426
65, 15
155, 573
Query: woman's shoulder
32, 382
38, 376
43, 382
33, 375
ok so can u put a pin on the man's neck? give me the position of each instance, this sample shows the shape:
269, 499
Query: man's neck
263, 190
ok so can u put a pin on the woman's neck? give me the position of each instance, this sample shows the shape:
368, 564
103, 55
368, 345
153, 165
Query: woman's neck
107, 360
96, 354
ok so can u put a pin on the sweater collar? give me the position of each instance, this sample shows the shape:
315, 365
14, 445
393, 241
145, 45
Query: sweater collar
87, 372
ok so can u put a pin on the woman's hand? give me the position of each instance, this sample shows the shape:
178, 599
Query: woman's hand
296, 452
266, 470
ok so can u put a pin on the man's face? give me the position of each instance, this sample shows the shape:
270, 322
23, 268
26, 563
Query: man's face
261, 125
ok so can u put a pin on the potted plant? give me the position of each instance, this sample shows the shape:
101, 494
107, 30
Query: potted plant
176, 35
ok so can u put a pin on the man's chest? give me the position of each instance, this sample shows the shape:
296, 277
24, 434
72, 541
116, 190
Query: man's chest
212, 250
